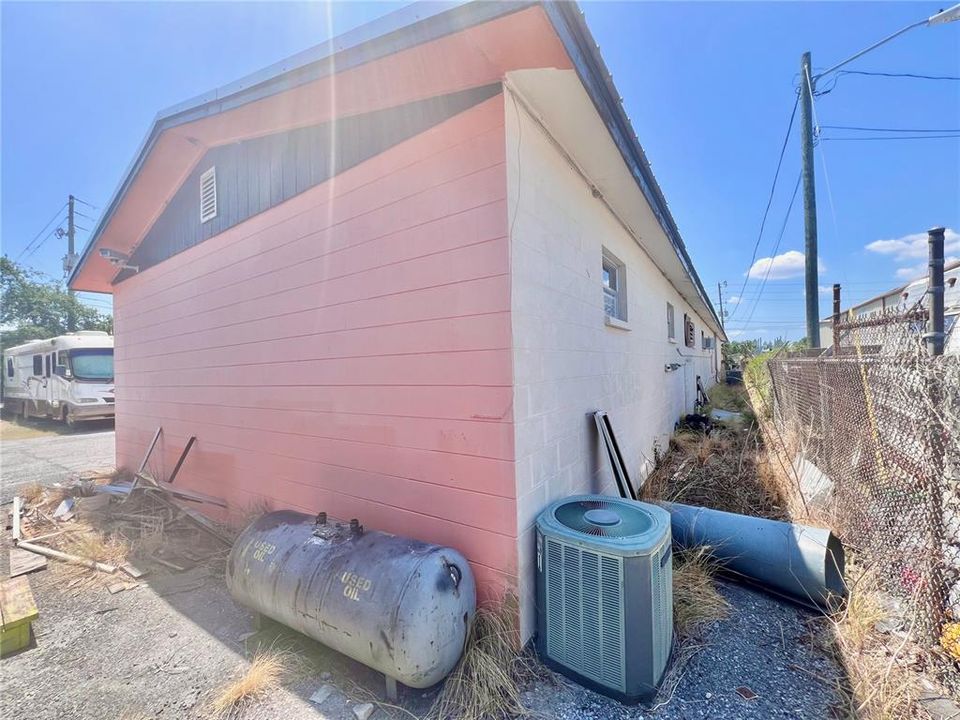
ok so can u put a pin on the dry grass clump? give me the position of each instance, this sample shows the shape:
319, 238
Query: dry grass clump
264, 675
881, 683
725, 470
89, 542
32, 493
696, 600
487, 681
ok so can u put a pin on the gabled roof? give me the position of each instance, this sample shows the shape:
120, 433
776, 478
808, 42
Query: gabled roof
491, 38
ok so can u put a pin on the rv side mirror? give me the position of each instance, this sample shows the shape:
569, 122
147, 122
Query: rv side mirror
62, 371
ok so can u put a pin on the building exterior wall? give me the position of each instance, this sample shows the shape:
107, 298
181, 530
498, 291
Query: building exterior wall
568, 362
256, 174
347, 350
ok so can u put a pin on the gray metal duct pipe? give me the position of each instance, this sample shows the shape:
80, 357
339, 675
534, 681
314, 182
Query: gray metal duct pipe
801, 562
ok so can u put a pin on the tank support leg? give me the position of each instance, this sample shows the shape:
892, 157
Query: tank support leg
391, 688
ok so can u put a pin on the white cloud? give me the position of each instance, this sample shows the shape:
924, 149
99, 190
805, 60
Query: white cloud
920, 270
913, 246
733, 300
781, 267
750, 333
825, 289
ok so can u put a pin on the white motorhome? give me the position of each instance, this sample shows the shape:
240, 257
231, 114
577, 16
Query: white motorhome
67, 378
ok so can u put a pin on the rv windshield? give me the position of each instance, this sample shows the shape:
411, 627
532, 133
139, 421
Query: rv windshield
92, 364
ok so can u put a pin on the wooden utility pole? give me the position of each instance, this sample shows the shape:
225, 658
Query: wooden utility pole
720, 296
809, 201
69, 260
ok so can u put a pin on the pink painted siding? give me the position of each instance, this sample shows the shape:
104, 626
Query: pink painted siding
347, 351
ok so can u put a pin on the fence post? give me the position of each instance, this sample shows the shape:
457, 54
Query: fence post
934, 338
935, 335
836, 319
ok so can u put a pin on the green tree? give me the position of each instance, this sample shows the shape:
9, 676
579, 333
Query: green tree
34, 306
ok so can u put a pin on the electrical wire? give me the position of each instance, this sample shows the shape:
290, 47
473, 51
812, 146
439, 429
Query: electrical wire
89, 205
888, 130
55, 217
914, 76
39, 244
823, 163
893, 137
766, 211
776, 247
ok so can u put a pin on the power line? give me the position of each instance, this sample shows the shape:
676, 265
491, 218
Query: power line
89, 205
776, 247
39, 244
893, 137
914, 76
56, 216
889, 130
773, 188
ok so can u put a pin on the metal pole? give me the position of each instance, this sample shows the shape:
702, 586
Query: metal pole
71, 315
809, 200
836, 319
935, 333
934, 337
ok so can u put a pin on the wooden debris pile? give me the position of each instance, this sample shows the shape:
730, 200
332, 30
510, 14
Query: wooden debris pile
113, 534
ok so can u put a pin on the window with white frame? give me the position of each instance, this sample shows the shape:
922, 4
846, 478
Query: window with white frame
614, 287
671, 323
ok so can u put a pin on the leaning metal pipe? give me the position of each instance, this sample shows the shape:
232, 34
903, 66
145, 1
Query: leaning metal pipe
801, 562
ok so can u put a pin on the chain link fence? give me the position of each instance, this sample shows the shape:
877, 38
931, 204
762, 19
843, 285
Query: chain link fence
872, 426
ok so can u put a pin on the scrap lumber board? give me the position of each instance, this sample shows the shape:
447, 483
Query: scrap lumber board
17, 611
23, 562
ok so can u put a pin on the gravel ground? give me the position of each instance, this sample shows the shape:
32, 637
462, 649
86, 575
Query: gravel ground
161, 648
158, 651
53, 458
755, 646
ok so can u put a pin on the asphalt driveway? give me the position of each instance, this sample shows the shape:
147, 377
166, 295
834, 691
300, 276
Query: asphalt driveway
53, 458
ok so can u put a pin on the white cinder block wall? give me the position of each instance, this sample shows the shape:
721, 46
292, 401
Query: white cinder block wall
567, 361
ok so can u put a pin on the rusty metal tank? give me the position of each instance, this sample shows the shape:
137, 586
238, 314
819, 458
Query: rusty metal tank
400, 606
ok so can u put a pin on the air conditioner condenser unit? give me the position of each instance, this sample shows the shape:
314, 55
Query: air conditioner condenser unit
605, 593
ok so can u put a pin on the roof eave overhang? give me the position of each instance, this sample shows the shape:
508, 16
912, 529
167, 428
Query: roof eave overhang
569, 22
411, 26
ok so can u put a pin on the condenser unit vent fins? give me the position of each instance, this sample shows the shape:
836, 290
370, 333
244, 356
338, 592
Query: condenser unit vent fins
208, 195
585, 611
662, 584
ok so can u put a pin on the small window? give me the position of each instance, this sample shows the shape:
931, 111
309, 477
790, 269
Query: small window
49, 362
689, 332
63, 361
9, 367
671, 323
708, 342
38, 365
614, 287
208, 195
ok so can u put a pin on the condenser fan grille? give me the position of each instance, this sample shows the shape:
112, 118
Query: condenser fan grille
604, 519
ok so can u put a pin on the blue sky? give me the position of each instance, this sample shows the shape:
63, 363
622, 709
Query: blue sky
709, 88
